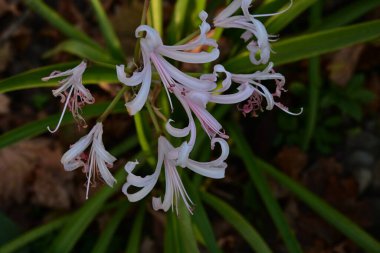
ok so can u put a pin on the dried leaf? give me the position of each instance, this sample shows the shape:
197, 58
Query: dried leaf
31, 171
343, 64
4, 104
5, 55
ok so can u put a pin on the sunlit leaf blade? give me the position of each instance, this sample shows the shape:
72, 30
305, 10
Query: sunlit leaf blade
270, 202
276, 23
106, 236
32, 235
113, 43
156, 12
58, 22
177, 24
38, 127
335, 218
32, 78
83, 51
306, 46
347, 14
238, 222
134, 240
81, 219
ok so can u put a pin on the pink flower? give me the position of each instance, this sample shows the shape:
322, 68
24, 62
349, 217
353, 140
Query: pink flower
170, 157
98, 161
259, 90
253, 28
153, 52
72, 92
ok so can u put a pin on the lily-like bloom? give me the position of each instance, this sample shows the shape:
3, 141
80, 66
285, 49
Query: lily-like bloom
169, 157
259, 91
153, 52
97, 161
195, 102
252, 26
72, 92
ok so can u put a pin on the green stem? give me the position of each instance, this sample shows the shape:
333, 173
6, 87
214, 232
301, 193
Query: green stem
154, 118
112, 104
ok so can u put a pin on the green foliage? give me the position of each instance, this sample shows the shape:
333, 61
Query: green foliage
326, 114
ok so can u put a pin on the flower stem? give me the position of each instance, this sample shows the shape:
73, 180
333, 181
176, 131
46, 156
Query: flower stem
112, 104
153, 117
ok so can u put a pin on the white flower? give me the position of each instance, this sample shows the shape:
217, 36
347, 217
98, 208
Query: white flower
252, 27
170, 157
97, 161
259, 90
72, 92
153, 52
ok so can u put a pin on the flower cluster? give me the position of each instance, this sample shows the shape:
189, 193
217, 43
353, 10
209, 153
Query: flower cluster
193, 94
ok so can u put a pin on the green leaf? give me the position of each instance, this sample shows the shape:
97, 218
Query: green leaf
309, 45
113, 43
81, 219
266, 195
347, 14
339, 221
243, 227
201, 220
106, 237
134, 240
156, 12
32, 78
172, 241
33, 235
277, 22
58, 22
84, 51
9, 229
40, 126
270, 6
186, 233
177, 24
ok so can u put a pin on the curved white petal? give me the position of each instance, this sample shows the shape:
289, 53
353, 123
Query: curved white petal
104, 172
244, 92
78, 148
186, 80
176, 132
215, 168
138, 102
201, 57
228, 11
134, 80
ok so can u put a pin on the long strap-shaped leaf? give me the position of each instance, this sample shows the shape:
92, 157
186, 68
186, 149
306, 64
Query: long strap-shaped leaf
106, 236
134, 240
306, 46
201, 220
40, 126
238, 222
335, 218
276, 23
270, 202
84, 51
81, 219
58, 22
32, 78
113, 43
